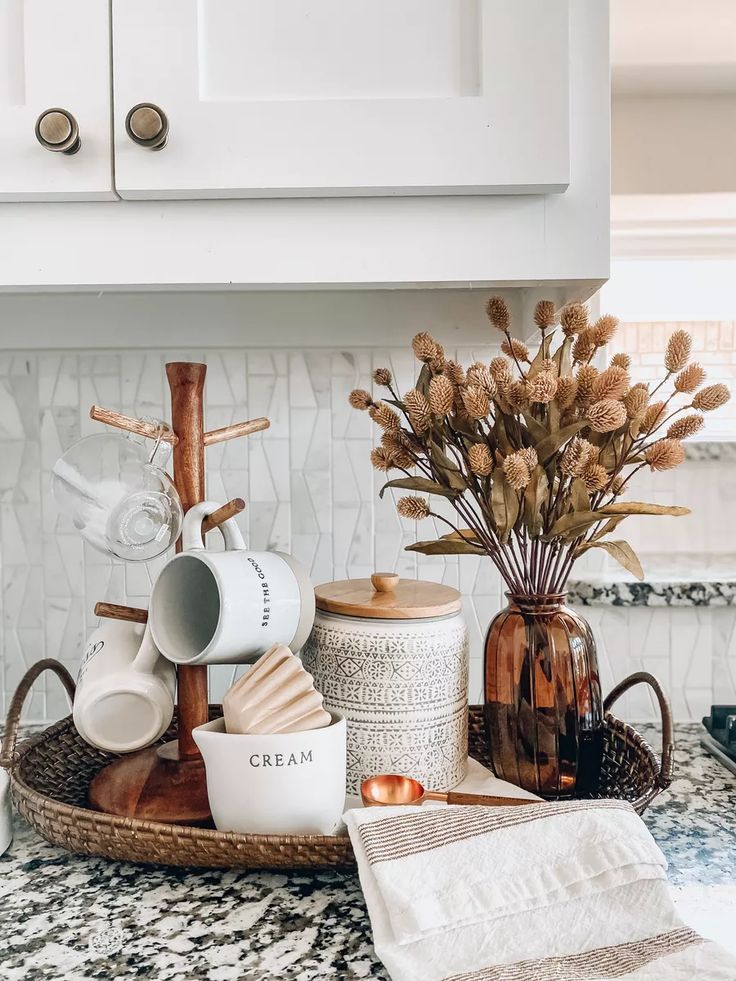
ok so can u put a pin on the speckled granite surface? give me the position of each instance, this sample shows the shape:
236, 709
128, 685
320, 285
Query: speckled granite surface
67, 917
601, 592
693, 581
723, 450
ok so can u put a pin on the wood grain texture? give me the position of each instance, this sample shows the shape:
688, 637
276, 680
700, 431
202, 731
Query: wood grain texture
384, 582
487, 801
112, 611
130, 424
222, 514
237, 429
186, 382
153, 785
408, 599
168, 783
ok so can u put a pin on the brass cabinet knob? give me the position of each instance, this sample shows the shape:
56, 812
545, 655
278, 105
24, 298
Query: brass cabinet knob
147, 126
57, 130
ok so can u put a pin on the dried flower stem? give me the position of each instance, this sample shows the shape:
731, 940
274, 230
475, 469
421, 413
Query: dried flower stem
489, 537
557, 581
491, 542
516, 560
550, 555
510, 340
639, 447
657, 387
528, 548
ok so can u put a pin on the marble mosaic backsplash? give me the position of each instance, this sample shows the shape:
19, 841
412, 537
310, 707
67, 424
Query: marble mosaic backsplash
311, 491
308, 482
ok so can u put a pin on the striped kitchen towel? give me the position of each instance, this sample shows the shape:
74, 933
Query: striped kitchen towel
569, 891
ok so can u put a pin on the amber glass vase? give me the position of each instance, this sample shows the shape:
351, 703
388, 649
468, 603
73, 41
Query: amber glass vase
543, 707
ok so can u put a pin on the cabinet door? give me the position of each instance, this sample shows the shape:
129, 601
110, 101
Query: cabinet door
343, 97
55, 54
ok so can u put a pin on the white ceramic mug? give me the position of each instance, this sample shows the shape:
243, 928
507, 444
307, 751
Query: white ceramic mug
125, 689
228, 607
281, 783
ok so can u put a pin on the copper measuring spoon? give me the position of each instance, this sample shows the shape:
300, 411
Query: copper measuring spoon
390, 788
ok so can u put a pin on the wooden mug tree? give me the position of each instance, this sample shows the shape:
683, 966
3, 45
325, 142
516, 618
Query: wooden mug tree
167, 783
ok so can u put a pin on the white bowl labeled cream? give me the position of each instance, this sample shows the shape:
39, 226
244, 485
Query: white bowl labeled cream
277, 783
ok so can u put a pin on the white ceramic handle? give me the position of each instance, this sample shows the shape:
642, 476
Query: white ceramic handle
148, 654
191, 535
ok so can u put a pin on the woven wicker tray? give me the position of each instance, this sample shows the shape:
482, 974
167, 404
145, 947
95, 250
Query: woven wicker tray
51, 772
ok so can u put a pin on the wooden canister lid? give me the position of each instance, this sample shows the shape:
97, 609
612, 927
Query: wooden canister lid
387, 597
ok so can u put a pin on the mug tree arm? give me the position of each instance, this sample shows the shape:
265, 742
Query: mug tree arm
130, 424
237, 429
114, 611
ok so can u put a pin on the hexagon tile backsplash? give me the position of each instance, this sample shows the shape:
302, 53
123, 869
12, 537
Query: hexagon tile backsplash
308, 483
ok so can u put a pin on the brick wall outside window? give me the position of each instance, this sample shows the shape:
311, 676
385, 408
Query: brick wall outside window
714, 346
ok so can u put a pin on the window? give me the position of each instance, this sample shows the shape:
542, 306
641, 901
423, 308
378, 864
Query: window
654, 297
714, 347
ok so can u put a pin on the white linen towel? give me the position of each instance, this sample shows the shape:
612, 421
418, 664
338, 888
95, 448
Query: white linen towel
543, 892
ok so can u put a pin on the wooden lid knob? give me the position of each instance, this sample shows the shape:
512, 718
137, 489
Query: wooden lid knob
384, 582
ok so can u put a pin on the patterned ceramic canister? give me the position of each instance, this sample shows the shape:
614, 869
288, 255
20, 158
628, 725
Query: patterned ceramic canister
391, 655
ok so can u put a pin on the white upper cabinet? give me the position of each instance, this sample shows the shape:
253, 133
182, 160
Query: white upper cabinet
344, 98
312, 144
55, 55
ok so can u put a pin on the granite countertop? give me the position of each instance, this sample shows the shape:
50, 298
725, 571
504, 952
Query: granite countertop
704, 450
690, 580
65, 916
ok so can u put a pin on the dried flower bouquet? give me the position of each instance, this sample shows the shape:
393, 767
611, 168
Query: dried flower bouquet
534, 451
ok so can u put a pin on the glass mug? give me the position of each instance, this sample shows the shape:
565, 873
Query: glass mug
118, 497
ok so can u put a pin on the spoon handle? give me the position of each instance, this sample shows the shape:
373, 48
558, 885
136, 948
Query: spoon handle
457, 798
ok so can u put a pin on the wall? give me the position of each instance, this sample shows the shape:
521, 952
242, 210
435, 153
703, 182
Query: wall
690, 647
673, 144
713, 347
293, 356
308, 482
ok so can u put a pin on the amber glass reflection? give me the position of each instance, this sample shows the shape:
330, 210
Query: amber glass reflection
543, 707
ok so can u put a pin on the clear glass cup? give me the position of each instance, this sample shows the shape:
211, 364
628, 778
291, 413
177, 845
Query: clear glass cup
117, 497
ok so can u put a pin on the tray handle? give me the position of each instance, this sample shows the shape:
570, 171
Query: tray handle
668, 733
7, 752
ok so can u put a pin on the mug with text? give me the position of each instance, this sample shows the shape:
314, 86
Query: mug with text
276, 783
228, 607
125, 690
